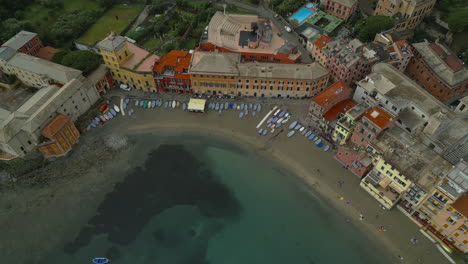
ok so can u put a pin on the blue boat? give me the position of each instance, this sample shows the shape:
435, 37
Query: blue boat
217, 107
260, 131
93, 125
89, 127
246, 112
241, 114
304, 132
264, 132
254, 113
114, 113
130, 112
127, 101
297, 126
291, 133
221, 106
141, 103
326, 148
96, 119
242, 106
250, 106
100, 260
275, 119
320, 144
110, 115
311, 137
153, 104
308, 133
234, 106
255, 108
184, 106
259, 108
226, 105
278, 125
270, 120
291, 126
282, 114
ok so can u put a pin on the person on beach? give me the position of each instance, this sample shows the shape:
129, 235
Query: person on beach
341, 184
361, 216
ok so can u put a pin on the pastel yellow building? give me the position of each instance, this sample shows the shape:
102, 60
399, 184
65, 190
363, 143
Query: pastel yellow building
218, 73
345, 126
129, 64
385, 183
407, 14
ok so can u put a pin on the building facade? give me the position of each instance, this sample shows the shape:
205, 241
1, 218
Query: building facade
25, 42
256, 39
407, 13
345, 126
316, 49
129, 64
62, 135
374, 121
349, 61
101, 78
400, 54
219, 73
171, 72
341, 8
438, 71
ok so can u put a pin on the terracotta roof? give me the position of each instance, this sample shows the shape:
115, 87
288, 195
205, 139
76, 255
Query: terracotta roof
462, 205
322, 41
436, 48
176, 58
54, 126
326, 96
141, 60
379, 117
453, 62
339, 108
47, 53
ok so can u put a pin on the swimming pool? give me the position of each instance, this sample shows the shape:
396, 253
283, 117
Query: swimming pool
302, 14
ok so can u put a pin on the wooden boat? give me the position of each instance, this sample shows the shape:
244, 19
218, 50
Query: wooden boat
260, 131
184, 106
304, 132
301, 129
114, 113
291, 126
264, 132
326, 148
173, 104
291, 133
241, 114
297, 126
308, 133
116, 108
177, 104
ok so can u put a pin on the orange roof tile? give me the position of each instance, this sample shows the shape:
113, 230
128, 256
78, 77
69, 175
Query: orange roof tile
54, 126
461, 205
379, 117
47, 53
339, 108
176, 58
328, 94
322, 41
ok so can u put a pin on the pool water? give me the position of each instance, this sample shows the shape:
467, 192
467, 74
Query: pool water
302, 15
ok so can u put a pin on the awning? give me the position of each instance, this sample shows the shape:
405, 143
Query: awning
196, 105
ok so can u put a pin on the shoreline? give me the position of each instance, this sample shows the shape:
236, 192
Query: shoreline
295, 156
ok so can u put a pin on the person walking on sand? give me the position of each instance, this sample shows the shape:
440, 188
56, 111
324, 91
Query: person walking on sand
361, 216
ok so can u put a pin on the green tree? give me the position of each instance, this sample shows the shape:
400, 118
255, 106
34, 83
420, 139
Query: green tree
368, 27
11, 26
82, 60
107, 3
458, 19
58, 57
72, 24
294, 23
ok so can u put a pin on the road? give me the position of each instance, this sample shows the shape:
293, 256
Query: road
263, 11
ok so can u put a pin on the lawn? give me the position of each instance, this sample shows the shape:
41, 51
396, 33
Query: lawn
152, 44
42, 17
115, 19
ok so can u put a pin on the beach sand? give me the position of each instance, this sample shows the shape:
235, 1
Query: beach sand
81, 180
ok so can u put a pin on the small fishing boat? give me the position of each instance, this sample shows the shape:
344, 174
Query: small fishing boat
254, 113
291, 133
250, 106
280, 120
127, 101
326, 148
96, 119
286, 115
273, 125
275, 120
154, 104
226, 105
145, 104
177, 104
278, 124
255, 108
173, 104
234, 106
100, 260
316, 137
260, 131
241, 114
276, 112
246, 112
165, 104
301, 129
246, 107
114, 113
270, 120
150, 104
137, 102
102, 118
106, 117
142, 102
221, 106
184, 106
220, 111
130, 112
264, 132
110, 115
272, 130
88, 127
242, 106
308, 133
293, 125
320, 144
297, 126
93, 125
238, 107
304, 132
285, 120
318, 141
259, 108
282, 114
116, 108
311, 137
217, 107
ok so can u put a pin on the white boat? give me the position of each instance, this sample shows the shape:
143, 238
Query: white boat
264, 132
292, 125
173, 104
116, 108
184, 106
318, 141
226, 105
246, 107
238, 107
255, 108
276, 113
327, 147
259, 108
260, 131
149, 104
304, 132
297, 126
241, 114
221, 106
286, 115
246, 112
285, 120
308, 133
242, 106
301, 129
250, 106
106, 117
137, 102
291, 133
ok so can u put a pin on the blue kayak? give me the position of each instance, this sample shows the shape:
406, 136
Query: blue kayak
291, 126
264, 132
320, 144
311, 137
260, 131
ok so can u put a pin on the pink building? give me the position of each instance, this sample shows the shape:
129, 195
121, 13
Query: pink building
341, 8
374, 121
349, 61
326, 100
358, 162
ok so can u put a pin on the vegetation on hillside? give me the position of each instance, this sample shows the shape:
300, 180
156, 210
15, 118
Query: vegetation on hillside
368, 27
82, 60
455, 12
283, 7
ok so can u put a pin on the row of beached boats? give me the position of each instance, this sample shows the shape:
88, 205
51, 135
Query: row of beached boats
108, 113
244, 108
279, 118
151, 104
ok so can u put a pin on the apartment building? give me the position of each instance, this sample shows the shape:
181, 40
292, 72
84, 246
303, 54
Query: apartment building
345, 126
129, 64
349, 61
438, 71
343, 9
400, 54
62, 135
316, 49
407, 14
171, 72
255, 38
373, 122
444, 210
25, 42
222, 73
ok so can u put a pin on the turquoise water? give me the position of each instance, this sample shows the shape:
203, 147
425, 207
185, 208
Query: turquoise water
301, 15
199, 200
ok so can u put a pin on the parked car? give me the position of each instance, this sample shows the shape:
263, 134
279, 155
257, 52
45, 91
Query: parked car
288, 29
276, 16
125, 87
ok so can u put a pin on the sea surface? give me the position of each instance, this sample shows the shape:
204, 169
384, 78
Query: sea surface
192, 199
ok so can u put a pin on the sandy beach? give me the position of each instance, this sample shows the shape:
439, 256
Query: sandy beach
80, 180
